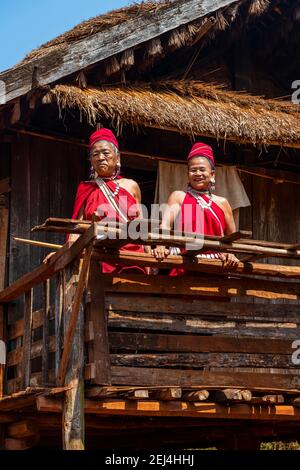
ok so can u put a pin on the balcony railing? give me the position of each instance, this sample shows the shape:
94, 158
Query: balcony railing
208, 328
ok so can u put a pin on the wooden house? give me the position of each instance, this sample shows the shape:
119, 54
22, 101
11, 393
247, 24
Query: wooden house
94, 359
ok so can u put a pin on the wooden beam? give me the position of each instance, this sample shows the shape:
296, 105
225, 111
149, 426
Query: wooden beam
145, 377
45, 322
268, 399
171, 236
209, 286
68, 340
176, 408
98, 316
19, 444
231, 394
170, 393
197, 395
236, 236
57, 262
17, 403
21, 429
2, 338
80, 54
213, 266
201, 360
245, 311
137, 394
4, 217
195, 343
73, 427
27, 337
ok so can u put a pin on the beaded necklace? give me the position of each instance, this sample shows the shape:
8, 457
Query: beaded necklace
112, 178
197, 195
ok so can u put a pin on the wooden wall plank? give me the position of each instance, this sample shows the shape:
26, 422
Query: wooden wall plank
27, 340
203, 360
201, 285
98, 317
209, 309
163, 323
41, 172
276, 211
196, 343
139, 376
21, 207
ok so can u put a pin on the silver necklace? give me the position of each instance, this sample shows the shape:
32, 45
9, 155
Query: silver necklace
104, 180
116, 191
197, 195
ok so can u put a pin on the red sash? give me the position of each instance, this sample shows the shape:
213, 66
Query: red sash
88, 193
212, 221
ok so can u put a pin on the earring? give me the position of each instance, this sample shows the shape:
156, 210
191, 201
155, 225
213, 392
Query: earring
212, 185
92, 173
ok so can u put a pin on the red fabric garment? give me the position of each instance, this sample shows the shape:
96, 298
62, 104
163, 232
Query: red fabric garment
200, 149
89, 193
190, 222
103, 134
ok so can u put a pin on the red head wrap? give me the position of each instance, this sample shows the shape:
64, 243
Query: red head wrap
103, 134
200, 149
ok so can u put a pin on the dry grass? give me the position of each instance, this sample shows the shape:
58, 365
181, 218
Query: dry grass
99, 23
189, 107
178, 37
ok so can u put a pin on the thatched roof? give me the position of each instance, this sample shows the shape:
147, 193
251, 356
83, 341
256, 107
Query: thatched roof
224, 18
189, 107
98, 24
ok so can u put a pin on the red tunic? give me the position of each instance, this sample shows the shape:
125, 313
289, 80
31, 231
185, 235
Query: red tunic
90, 194
193, 219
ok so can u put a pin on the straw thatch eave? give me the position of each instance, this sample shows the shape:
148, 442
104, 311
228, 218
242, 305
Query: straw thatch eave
191, 108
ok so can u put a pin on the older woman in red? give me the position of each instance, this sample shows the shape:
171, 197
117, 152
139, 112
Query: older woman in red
184, 207
108, 194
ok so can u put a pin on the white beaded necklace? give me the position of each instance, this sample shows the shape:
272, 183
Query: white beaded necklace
197, 195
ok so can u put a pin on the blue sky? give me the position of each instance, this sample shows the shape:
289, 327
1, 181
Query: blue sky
27, 24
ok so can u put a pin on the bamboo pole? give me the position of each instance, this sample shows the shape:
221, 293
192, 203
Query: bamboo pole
37, 243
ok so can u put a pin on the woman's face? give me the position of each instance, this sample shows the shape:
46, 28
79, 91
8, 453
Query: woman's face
103, 159
200, 173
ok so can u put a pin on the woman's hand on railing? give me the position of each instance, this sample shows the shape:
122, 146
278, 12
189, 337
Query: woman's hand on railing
160, 252
48, 257
229, 260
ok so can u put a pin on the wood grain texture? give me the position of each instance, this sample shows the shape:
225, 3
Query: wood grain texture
99, 46
143, 377
97, 315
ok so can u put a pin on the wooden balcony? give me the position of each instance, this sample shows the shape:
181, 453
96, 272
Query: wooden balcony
211, 349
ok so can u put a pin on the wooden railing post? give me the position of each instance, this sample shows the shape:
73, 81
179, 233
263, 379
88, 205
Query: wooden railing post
73, 408
46, 312
71, 369
98, 317
58, 312
2, 338
27, 340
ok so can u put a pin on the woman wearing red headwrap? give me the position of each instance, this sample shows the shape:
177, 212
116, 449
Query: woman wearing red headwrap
107, 194
197, 210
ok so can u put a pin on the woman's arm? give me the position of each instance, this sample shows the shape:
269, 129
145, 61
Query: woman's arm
170, 213
230, 260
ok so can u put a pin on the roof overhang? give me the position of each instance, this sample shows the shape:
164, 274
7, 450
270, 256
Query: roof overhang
78, 55
191, 108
